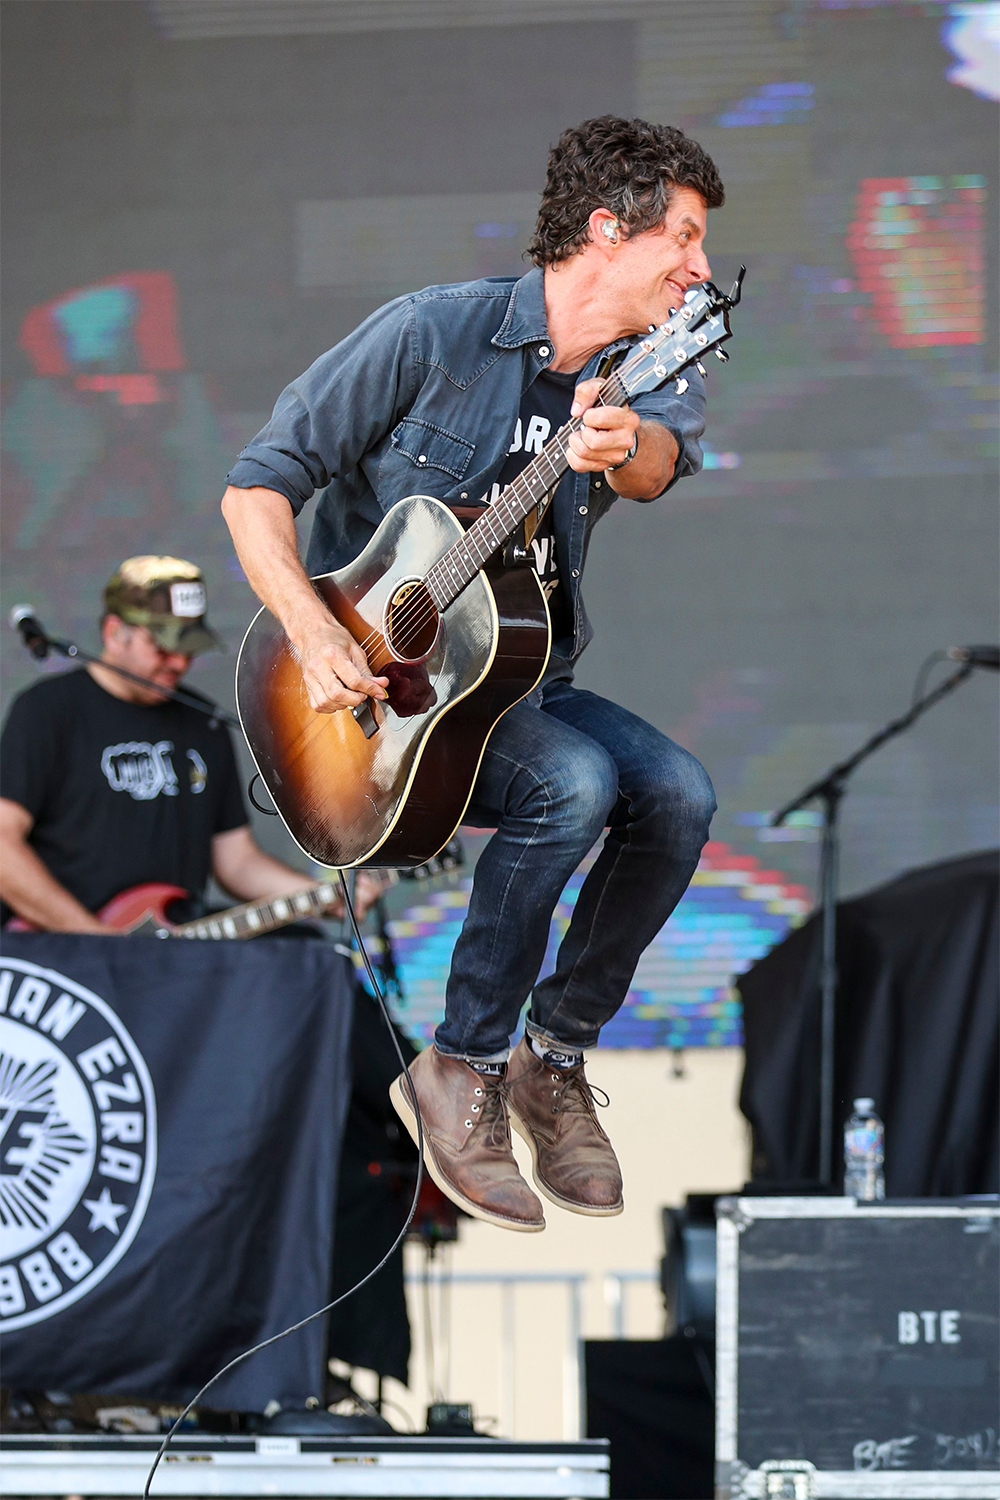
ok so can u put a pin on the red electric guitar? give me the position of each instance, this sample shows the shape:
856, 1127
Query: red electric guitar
142, 910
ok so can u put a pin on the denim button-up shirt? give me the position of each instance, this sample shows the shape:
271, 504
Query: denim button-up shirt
422, 399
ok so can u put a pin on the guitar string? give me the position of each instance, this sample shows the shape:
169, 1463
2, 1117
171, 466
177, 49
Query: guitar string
456, 560
414, 616
453, 559
490, 513
422, 612
614, 385
412, 620
412, 627
418, 615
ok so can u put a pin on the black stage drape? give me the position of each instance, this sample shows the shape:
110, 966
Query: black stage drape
171, 1119
917, 1030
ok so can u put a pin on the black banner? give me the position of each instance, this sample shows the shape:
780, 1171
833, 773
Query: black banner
171, 1116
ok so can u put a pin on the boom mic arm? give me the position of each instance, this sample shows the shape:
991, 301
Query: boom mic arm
38, 641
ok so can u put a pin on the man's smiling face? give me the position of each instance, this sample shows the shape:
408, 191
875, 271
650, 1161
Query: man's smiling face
651, 270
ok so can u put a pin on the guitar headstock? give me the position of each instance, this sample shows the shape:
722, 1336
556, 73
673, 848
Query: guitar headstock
699, 326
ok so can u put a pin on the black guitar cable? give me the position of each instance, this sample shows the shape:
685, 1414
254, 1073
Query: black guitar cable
322, 1311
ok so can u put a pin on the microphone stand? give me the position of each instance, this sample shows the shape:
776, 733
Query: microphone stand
47, 643
829, 790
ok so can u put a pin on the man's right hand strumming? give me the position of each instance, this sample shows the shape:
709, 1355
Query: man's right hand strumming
335, 669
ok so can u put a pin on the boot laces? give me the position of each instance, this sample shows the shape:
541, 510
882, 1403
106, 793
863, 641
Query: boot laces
493, 1121
576, 1096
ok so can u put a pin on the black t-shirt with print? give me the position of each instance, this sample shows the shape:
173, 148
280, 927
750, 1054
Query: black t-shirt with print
544, 408
121, 793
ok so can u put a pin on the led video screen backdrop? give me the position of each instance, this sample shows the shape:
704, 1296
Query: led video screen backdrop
201, 198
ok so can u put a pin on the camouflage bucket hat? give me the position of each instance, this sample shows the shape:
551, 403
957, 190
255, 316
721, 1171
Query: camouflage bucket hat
167, 595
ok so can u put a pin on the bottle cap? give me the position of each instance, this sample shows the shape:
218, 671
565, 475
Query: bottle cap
864, 1106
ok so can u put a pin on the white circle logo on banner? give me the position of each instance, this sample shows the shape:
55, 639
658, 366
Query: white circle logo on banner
77, 1141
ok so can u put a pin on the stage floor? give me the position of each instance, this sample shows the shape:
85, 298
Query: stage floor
288, 1466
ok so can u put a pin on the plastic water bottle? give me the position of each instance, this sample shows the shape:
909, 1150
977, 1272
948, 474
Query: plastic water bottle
864, 1153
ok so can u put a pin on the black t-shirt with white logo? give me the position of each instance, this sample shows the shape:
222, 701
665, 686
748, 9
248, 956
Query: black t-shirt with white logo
121, 793
544, 409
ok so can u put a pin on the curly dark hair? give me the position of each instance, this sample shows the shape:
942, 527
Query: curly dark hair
627, 166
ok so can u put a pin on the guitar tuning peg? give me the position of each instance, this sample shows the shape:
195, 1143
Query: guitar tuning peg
700, 367
652, 327
680, 385
722, 355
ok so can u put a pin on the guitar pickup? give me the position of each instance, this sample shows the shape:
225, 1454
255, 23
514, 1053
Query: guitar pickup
366, 718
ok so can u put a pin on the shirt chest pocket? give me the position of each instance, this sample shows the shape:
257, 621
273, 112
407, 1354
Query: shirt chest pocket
427, 446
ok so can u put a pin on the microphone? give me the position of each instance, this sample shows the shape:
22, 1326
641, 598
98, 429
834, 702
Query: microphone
976, 656
32, 632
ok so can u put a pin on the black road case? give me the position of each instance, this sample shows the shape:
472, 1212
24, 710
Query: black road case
857, 1349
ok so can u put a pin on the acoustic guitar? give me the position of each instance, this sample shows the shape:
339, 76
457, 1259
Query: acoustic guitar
460, 638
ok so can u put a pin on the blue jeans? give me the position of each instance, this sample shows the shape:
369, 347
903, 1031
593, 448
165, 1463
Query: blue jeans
554, 775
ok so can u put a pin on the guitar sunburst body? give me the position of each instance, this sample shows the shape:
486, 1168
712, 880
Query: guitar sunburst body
393, 794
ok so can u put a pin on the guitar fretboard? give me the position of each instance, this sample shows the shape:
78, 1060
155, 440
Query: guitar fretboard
701, 323
257, 917
464, 559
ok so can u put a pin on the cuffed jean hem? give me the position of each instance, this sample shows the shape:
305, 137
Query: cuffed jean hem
559, 1043
472, 1057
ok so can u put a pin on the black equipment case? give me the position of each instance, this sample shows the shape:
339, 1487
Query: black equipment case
857, 1349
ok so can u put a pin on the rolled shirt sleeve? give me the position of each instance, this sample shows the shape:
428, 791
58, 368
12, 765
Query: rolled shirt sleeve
327, 419
683, 416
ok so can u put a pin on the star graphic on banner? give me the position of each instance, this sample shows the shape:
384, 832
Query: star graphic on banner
103, 1213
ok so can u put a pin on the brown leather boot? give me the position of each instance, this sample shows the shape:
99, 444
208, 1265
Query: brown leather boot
467, 1139
553, 1109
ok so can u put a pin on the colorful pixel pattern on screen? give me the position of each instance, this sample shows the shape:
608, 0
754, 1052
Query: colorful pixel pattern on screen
734, 911
917, 244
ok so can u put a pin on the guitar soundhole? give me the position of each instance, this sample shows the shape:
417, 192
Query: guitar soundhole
412, 622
